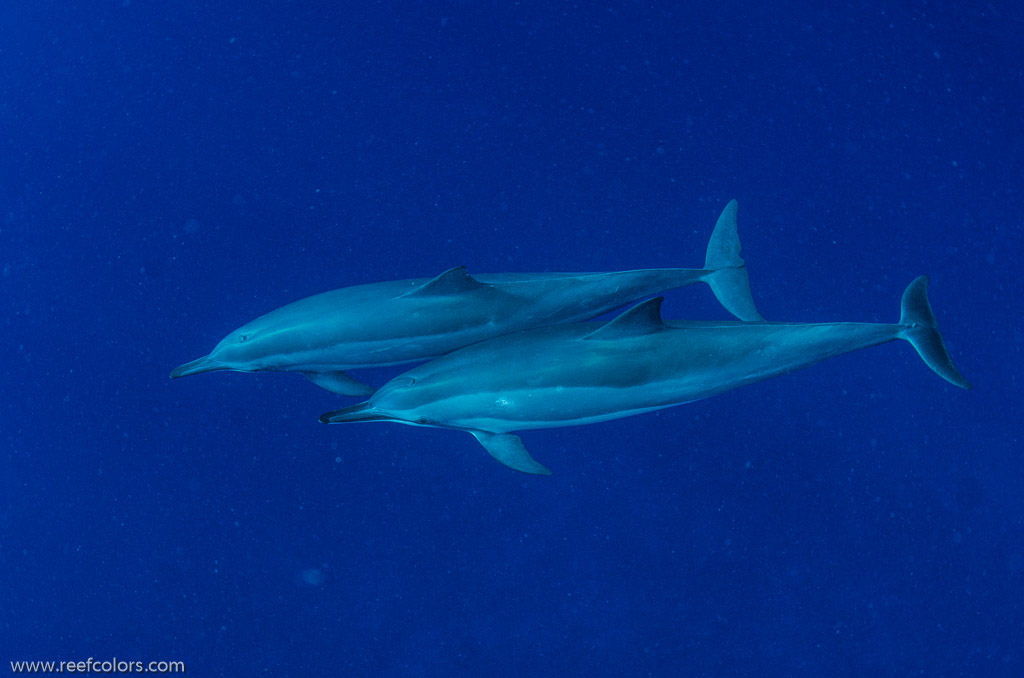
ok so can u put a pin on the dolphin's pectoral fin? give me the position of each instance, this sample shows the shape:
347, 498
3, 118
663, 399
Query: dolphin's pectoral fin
643, 318
453, 281
339, 383
509, 450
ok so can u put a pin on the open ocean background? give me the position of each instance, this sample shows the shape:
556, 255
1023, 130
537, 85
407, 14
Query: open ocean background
170, 171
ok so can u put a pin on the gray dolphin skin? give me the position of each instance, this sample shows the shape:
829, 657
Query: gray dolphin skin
590, 372
390, 323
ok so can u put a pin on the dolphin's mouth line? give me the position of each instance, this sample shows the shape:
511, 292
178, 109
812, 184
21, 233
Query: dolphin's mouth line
198, 366
362, 412
366, 412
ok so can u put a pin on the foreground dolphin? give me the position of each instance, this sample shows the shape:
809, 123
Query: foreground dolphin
406, 320
590, 372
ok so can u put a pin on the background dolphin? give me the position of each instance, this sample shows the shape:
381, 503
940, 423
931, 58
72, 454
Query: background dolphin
406, 320
589, 372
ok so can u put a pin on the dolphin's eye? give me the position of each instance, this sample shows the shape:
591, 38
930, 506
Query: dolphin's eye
242, 338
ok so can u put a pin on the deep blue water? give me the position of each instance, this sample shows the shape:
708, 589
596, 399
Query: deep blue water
171, 170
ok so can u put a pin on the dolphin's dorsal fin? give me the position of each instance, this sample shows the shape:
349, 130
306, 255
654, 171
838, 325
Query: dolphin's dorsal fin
643, 318
453, 281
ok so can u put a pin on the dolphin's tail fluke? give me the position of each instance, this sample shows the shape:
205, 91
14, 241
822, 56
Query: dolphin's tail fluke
727, 275
922, 331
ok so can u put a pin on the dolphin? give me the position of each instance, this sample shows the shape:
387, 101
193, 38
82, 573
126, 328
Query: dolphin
401, 321
589, 372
